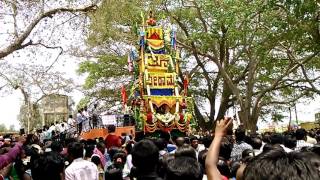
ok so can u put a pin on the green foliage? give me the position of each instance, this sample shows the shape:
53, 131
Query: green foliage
3, 128
271, 35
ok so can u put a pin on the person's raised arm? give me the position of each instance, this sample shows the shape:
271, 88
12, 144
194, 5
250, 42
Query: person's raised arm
10, 156
213, 152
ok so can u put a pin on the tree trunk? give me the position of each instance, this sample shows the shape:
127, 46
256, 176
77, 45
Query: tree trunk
201, 120
248, 119
224, 104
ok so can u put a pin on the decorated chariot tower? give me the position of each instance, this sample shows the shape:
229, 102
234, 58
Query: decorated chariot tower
159, 98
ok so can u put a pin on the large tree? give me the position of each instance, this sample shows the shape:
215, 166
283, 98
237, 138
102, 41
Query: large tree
35, 82
23, 21
264, 51
255, 55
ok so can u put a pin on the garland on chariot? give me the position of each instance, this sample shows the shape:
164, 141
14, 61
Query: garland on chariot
156, 100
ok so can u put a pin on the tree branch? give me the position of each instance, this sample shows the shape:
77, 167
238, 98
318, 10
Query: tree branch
18, 43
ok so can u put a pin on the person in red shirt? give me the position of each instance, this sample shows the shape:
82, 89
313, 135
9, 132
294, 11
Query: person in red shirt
112, 140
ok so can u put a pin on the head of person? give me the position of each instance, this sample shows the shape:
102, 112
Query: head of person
290, 141
207, 141
276, 138
301, 134
185, 151
56, 146
119, 159
179, 141
101, 147
266, 137
182, 168
111, 128
223, 168
70, 116
95, 159
234, 166
202, 158
194, 142
75, 150
277, 164
225, 149
240, 134
89, 150
145, 156
113, 173
160, 143
247, 155
256, 143
129, 147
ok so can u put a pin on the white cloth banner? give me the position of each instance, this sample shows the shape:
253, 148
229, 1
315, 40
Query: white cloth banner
109, 119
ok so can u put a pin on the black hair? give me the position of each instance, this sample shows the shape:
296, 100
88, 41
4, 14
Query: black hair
179, 141
207, 141
70, 116
119, 159
240, 134
75, 150
225, 149
267, 147
182, 168
301, 134
89, 150
96, 160
223, 168
290, 142
192, 138
277, 164
266, 137
234, 166
113, 173
129, 147
56, 146
256, 143
112, 151
276, 139
47, 166
145, 156
247, 154
101, 146
202, 158
160, 143
111, 128
186, 151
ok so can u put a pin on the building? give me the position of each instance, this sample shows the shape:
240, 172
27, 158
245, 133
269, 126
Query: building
55, 108
317, 117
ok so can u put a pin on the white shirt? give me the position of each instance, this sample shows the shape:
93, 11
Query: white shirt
64, 128
71, 122
52, 128
81, 169
301, 144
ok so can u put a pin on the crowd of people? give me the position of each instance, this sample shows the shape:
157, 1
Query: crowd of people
223, 154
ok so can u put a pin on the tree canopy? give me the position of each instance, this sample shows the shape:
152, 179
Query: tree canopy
253, 55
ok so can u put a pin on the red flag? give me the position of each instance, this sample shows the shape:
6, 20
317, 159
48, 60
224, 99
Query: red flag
124, 95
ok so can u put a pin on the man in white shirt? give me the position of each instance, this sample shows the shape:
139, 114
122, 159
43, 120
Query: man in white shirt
52, 127
301, 139
80, 169
71, 122
195, 144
